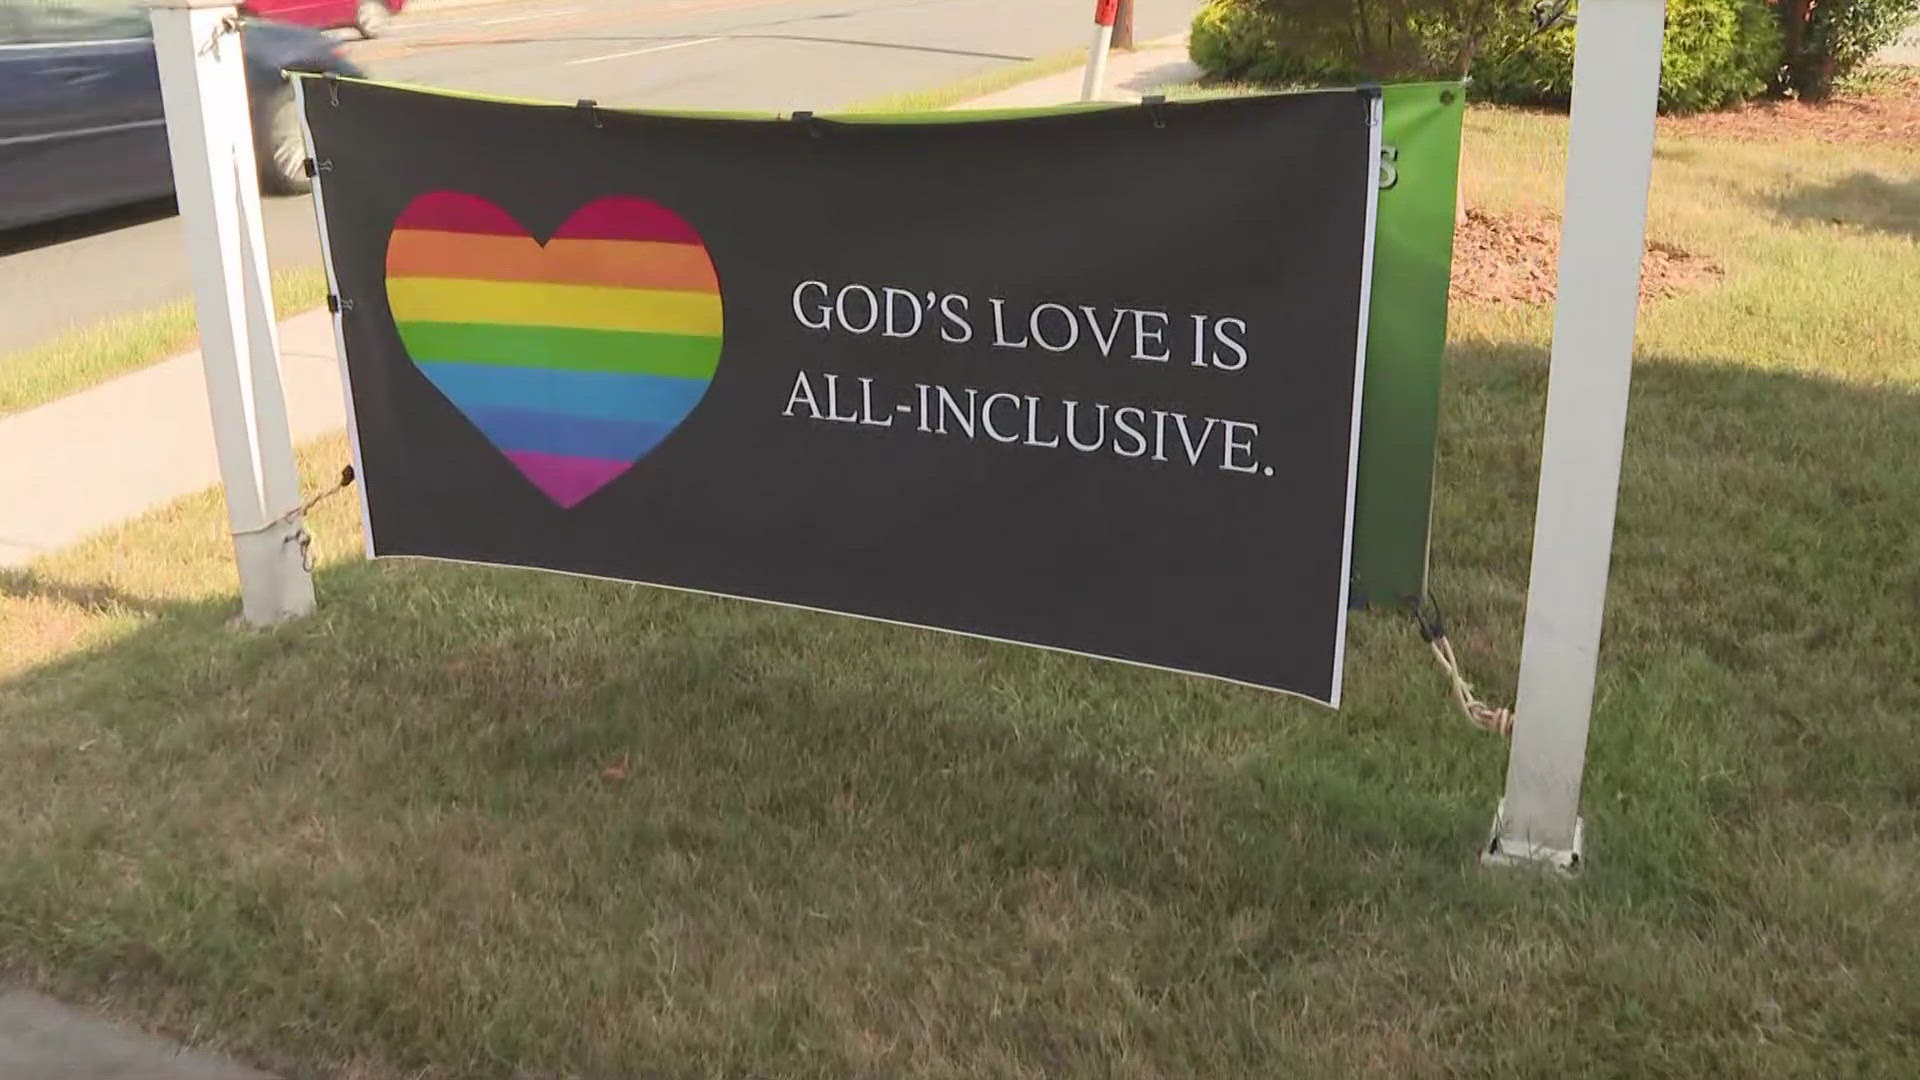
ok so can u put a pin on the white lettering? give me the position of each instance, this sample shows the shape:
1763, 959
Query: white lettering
826, 320
873, 309
1157, 335
999, 327
956, 319
1234, 444
986, 417
1120, 422
1099, 431
892, 329
1239, 348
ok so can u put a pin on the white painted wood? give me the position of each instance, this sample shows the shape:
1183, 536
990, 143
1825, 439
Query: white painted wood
1616, 75
203, 86
1096, 81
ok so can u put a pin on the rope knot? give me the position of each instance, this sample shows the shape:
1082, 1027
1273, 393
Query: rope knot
1433, 630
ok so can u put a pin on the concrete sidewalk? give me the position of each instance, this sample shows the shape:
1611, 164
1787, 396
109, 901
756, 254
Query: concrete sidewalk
86, 462
41, 1039
1152, 67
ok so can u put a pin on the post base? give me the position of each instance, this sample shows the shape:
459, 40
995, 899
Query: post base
275, 584
1509, 851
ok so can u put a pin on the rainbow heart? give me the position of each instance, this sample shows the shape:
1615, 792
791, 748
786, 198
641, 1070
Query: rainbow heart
575, 356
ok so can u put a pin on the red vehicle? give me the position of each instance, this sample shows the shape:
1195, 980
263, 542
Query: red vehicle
367, 16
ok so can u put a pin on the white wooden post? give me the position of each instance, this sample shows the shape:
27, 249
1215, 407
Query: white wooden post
203, 86
1616, 82
1104, 13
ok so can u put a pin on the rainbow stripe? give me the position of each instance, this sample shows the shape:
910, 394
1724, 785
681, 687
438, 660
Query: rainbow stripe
574, 358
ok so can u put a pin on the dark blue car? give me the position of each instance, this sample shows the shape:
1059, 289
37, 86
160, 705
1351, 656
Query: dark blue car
81, 127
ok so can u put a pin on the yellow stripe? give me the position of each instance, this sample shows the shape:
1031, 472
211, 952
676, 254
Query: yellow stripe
585, 307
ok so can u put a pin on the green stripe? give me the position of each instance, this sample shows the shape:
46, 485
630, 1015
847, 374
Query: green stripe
572, 349
1406, 339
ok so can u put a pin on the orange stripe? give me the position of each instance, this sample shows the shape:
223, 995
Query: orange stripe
632, 264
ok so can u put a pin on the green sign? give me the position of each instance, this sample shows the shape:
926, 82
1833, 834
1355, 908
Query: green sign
1406, 335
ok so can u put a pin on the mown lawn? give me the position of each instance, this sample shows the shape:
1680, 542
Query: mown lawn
87, 356
468, 822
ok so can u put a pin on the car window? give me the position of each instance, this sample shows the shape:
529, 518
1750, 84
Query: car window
57, 22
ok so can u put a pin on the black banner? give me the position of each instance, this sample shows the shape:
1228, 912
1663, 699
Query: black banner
1084, 380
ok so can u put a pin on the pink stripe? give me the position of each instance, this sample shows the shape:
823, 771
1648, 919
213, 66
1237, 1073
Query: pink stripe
566, 480
622, 217
457, 211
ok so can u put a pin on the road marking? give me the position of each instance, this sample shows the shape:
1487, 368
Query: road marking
643, 52
75, 133
399, 45
535, 15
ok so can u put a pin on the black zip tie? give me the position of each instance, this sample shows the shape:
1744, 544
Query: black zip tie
333, 87
338, 304
1370, 97
590, 108
1156, 106
314, 168
1429, 618
804, 117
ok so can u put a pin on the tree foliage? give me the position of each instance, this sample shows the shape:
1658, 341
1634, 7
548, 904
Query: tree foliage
1823, 42
1716, 53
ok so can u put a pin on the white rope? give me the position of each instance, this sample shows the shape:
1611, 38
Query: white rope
296, 517
1486, 717
1433, 627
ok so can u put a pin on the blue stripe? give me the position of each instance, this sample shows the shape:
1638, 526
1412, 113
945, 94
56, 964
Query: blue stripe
571, 436
600, 395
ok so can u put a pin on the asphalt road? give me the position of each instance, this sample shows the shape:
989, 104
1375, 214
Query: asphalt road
757, 55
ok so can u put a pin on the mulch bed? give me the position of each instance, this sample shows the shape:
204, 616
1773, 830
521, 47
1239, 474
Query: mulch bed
1887, 113
1515, 259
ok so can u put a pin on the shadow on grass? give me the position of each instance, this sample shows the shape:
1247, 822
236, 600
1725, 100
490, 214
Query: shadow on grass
93, 598
490, 822
1863, 200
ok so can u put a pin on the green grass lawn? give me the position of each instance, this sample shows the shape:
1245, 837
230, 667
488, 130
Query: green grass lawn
84, 357
382, 842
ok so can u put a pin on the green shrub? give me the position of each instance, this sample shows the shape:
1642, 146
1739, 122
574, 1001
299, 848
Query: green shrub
1828, 41
1309, 41
1232, 39
1716, 53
